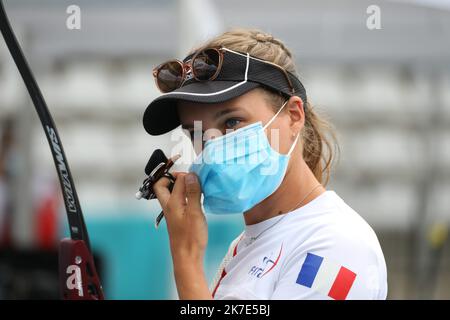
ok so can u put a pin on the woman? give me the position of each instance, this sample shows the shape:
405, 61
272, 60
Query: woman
264, 153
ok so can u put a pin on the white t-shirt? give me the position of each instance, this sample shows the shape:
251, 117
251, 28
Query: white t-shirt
323, 250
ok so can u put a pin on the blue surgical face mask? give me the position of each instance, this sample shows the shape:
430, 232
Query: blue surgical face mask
240, 169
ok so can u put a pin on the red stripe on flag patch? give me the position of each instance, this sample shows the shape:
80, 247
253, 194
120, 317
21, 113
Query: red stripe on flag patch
342, 284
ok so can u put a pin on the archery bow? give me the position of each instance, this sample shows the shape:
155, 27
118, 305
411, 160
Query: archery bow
78, 276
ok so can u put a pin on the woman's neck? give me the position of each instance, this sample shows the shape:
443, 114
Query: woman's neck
297, 183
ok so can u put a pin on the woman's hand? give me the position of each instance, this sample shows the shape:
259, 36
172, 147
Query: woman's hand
188, 233
185, 220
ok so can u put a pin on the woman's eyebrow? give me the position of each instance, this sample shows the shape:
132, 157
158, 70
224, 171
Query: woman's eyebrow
224, 112
216, 116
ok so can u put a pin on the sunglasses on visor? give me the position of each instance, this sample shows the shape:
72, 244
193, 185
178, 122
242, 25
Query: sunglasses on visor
205, 65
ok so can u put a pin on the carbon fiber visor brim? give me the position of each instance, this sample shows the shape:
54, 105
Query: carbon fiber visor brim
161, 115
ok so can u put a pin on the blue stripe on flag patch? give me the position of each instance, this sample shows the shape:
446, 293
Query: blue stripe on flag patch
309, 270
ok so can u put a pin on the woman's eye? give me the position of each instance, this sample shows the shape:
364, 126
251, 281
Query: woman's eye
231, 123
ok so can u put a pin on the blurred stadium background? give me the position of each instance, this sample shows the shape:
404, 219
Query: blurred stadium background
387, 92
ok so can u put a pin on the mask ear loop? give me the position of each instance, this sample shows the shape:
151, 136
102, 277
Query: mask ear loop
293, 145
273, 118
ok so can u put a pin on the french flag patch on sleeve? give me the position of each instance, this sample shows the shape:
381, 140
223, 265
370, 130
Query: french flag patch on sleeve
325, 276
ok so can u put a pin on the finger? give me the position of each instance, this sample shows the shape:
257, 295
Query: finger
178, 197
177, 173
193, 194
161, 189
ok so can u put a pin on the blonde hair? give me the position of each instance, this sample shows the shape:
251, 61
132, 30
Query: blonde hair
319, 140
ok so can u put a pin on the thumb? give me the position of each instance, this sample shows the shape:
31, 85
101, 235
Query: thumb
193, 192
